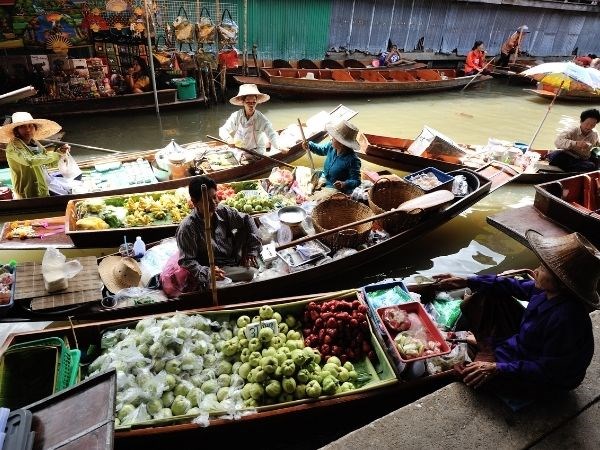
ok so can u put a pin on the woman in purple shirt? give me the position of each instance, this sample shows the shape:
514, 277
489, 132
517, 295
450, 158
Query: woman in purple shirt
546, 346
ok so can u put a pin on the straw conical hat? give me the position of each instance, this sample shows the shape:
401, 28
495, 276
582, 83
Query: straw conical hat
345, 133
248, 89
45, 128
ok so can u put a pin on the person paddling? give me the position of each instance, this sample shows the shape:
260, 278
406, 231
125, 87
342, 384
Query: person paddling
27, 157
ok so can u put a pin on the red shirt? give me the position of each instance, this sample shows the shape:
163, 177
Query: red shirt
475, 60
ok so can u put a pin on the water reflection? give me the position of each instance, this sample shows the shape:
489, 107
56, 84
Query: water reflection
494, 109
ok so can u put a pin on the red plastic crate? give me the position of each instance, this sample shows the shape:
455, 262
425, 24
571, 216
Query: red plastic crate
433, 333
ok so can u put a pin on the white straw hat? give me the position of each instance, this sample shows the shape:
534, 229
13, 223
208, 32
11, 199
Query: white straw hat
345, 133
119, 272
248, 89
45, 128
309, 76
573, 260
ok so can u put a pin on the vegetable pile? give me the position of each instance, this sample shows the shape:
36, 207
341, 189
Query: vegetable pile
338, 328
131, 211
190, 365
257, 203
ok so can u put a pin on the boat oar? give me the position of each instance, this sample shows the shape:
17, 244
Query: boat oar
478, 73
308, 153
252, 152
89, 147
414, 205
209, 247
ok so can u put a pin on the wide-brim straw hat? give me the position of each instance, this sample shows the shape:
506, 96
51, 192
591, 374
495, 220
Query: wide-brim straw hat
248, 89
119, 272
45, 128
345, 133
573, 260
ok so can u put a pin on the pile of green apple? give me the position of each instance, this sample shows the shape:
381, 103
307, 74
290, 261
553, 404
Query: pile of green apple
256, 204
277, 367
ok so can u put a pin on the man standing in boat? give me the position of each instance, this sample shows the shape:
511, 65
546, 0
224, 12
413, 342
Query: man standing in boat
512, 45
249, 128
575, 145
235, 239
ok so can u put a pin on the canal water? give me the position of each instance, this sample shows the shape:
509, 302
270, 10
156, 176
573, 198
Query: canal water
467, 244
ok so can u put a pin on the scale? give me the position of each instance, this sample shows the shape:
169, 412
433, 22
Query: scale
291, 217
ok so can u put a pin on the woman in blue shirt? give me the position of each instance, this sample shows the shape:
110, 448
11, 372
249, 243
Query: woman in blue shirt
548, 345
341, 169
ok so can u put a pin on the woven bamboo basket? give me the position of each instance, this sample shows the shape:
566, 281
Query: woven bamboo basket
387, 194
339, 210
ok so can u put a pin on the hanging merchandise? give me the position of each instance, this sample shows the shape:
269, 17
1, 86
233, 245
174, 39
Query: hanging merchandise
227, 29
94, 21
205, 28
58, 44
228, 58
137, 24
206, 59
116, 6
184, 29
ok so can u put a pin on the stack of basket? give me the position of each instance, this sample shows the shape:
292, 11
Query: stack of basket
387, 194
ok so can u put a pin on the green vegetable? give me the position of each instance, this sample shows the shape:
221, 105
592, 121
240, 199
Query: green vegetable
222, 394
288, 368
154, 406
288, 385
254, 359
182, 389
167, 399
345, 387
115, 201
245, 355
300, 391
313, 389
180, 405
224, 380
265, 312
194, 396
334, 360
173, 366
276, 342
271, 351
170, 382
273, 389
110, 217
254, 345
277, 317
329, 385
242, 321
244, 370
256, 391
224, 367
298, 357
210, 386
265, 335
126, 410
303, 376
294, 335
290, 321
348, 366
269, 364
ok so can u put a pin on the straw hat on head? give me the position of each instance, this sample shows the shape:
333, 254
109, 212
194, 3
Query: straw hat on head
523, 29
119, 272
45, 128
345, 133
248, 89
573, 260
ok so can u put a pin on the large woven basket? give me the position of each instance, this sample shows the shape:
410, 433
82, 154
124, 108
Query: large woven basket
387, 194
339, 210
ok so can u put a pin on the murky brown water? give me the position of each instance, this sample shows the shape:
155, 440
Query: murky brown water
494, 109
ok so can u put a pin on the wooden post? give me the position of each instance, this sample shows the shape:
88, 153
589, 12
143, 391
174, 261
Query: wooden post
209, 247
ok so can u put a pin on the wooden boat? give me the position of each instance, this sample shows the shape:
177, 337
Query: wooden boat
572, 202
567, 96
384, 391
127, 103
30, 206
299, 281
392, 152
348, 63
346, 82
511, 73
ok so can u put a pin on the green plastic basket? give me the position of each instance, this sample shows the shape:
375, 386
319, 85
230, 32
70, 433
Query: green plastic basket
68, 362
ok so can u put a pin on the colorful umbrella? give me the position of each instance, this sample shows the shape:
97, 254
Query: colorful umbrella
566, 76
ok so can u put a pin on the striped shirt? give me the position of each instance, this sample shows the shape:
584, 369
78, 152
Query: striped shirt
234, 234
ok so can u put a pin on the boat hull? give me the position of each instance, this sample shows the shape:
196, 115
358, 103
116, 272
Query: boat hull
566, 96
346, 82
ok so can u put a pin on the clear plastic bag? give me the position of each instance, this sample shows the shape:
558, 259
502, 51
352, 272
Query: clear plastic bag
67, 166
56, 271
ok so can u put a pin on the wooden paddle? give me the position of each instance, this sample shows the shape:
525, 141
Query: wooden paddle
252, 152
414, 206
90, 147
308, 152
209, 247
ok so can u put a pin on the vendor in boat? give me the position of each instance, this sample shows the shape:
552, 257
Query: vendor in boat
475, 61
547, 346
575, 145
27, 157
235, 240
391, 57
248, 128
512, 45
341, 170
138, 76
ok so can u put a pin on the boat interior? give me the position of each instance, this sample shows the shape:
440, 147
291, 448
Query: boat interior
581, 192
378, 76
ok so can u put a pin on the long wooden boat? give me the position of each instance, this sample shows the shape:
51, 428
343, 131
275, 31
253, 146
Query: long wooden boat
567, 96
346, 82
300, 282
572, 202
127, 103
239, 171
511, 73
348, 63
393, 152
385, 391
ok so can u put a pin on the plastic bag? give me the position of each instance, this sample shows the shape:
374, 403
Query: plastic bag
205, 28
67, 166
184, 29
56, 271
139, 296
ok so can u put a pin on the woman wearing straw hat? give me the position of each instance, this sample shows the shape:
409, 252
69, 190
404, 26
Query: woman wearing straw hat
26, 157
249, 128
547, 346
341, 170
512, 45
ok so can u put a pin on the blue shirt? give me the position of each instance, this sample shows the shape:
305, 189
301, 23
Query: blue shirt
555, 343
344, 167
